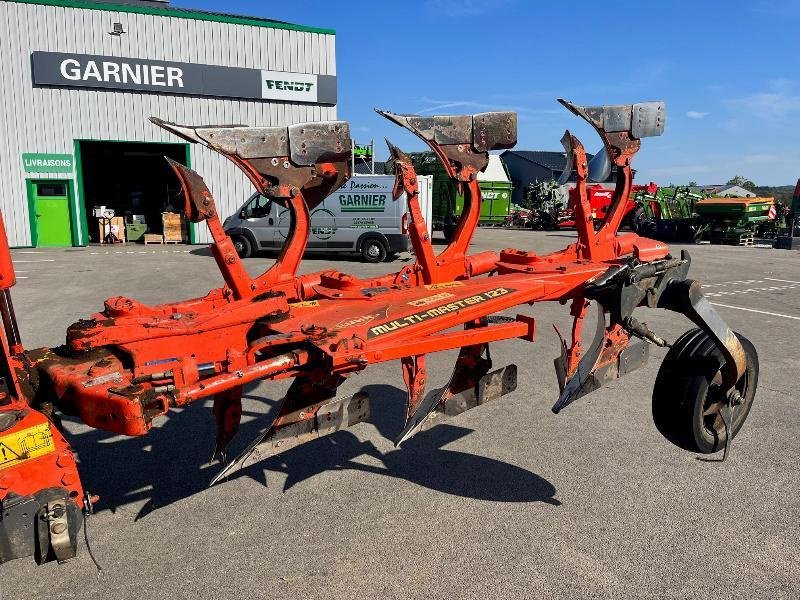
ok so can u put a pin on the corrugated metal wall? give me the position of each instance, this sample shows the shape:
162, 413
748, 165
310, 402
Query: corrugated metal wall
48, 120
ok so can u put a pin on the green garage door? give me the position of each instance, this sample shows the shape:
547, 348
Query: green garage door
51, 206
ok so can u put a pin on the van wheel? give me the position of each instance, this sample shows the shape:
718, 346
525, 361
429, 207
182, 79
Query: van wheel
242, 246
373, 250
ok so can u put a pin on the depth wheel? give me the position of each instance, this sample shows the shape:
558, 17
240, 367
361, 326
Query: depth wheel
686, 394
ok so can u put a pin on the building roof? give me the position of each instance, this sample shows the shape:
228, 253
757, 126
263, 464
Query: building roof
555, 161
173, 11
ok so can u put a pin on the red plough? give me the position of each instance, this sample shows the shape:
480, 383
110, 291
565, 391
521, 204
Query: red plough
131, 363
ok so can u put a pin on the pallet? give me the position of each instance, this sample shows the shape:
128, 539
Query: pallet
173, 241
153, 238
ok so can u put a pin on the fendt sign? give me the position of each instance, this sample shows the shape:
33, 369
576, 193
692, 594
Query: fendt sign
63, 69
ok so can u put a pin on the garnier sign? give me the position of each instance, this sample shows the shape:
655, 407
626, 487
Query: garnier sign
41, 162
365, 194
61, 69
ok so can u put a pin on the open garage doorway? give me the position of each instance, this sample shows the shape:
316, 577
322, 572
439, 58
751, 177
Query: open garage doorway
133, 180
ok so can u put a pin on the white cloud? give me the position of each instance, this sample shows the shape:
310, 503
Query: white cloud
779, 101
694, 114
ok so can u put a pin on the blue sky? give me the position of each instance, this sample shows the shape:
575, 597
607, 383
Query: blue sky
728, 71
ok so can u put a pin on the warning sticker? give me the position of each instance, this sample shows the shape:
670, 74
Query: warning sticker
445, 285
305, 304
432, 299
437, 311
26, 444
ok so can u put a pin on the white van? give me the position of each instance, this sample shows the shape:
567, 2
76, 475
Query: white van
360, 217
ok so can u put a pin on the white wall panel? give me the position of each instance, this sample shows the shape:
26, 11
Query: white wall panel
50, 119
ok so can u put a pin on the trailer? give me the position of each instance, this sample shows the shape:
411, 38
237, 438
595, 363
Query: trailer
448, 197
733, 221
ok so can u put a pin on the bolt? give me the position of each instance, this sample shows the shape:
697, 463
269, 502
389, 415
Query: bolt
735, 398
58, 528
274, 162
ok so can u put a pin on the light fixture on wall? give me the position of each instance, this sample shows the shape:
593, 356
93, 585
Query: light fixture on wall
116, 30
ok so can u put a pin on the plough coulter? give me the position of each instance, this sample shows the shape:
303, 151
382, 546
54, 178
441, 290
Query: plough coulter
131, 363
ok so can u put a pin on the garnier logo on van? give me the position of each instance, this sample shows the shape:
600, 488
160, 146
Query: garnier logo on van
362, 202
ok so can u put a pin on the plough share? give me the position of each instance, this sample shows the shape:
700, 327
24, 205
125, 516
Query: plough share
131, 363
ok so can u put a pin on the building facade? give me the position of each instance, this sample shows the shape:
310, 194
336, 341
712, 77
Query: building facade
80, 79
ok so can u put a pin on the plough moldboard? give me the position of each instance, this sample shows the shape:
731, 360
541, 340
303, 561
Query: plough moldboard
127, 365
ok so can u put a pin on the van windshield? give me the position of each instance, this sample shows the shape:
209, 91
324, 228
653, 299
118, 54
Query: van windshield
258, 207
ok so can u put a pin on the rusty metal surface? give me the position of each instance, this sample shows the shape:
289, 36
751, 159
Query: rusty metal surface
313, 143
333, 416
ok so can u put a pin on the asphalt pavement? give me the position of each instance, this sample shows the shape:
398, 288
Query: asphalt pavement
505, 501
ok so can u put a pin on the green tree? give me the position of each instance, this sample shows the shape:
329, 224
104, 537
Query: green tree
692, 184
742, 182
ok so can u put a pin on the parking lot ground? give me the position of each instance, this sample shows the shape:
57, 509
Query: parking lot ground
505, 501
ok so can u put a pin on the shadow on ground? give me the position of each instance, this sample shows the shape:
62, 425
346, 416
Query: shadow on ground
327, 256
172, 461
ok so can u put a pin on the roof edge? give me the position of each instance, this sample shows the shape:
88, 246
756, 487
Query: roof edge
180, 13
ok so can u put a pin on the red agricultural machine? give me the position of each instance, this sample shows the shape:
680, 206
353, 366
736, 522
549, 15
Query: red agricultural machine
131, 363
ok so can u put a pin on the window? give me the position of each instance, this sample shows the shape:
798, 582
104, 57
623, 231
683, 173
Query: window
58, 190
258, 207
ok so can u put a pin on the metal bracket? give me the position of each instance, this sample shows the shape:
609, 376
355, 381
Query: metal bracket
55, 514
280, 161
462, 142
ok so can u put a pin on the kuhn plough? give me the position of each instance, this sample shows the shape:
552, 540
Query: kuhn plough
125, 366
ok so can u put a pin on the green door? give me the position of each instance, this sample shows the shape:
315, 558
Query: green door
51, 206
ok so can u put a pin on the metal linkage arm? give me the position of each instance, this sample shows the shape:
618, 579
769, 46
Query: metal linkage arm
621, 127
406, 182
200, 206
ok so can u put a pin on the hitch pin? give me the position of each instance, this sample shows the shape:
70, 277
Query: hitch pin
641, 330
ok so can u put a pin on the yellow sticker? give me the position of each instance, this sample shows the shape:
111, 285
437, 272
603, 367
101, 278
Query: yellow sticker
26, 444
445, 285
305, 304
432, 299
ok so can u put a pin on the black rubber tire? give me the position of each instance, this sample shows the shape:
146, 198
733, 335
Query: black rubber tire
242, 246
373, 250
685, 387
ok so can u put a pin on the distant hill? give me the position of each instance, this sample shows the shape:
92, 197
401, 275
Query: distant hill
781, 193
